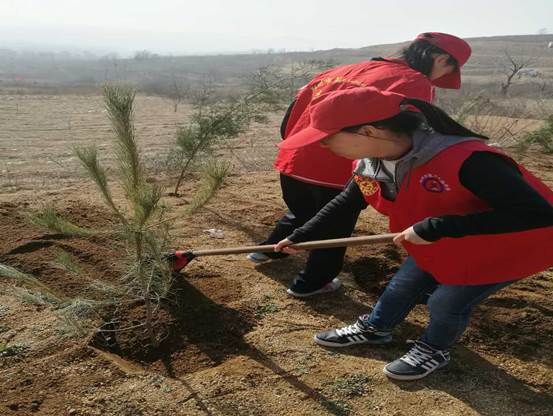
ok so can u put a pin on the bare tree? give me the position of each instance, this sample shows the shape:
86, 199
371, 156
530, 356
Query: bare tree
144, 55
178, 91
172, 88
512, 67
545, 86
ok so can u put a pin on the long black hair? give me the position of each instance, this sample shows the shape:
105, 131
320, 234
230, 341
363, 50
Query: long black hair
418, 55
406, 122
440, 121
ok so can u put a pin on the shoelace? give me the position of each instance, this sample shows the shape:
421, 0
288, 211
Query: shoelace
418, 355
353, 329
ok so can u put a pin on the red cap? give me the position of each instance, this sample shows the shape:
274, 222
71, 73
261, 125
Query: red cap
454, 46
336, 110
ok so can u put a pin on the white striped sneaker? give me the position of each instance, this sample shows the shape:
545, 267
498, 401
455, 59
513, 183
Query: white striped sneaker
420, 361
358, 333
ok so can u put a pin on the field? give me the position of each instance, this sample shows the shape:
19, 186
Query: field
237, 344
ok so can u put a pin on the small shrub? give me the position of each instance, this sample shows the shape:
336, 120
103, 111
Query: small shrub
542, 137
352, 386
339, 408
265, 309
210, 124
484, 116
214, 123
12, 350
278, 85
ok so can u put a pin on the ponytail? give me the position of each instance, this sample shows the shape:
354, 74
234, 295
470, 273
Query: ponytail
406, 122
440, 121
419, 55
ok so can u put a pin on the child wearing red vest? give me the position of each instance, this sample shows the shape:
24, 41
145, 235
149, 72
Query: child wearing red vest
312, 176
470, 218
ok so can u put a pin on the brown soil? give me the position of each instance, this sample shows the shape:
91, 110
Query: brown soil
234, 342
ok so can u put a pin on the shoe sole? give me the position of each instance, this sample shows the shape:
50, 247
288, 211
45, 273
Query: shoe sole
331, 344
256, 261
324, 289
411, 378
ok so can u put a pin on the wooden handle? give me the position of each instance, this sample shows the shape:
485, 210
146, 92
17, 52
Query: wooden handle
309, 245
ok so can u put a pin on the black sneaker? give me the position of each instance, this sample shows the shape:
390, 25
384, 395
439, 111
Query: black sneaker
420, 361
358, 333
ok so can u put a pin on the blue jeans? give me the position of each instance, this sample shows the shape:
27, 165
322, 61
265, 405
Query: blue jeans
450, 306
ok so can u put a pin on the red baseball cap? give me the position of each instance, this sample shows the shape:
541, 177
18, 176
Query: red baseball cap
336, 110
454, 46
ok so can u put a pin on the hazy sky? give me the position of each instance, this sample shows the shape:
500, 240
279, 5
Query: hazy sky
204, 26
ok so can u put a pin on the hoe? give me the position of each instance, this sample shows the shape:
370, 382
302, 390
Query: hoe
181, 258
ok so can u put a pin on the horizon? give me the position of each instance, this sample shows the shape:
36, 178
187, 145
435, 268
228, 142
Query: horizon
94, 53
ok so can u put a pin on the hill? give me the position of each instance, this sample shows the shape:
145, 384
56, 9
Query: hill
53, 71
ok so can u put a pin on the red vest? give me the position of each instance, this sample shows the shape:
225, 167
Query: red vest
316, 165
434, 190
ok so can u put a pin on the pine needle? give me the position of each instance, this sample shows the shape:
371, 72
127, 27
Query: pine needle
67, 262
49, 218
119, 101
542, 137
89, 159
11, 273
213, 176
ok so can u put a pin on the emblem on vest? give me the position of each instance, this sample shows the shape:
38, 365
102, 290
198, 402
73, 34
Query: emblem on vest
433, 183
368, 186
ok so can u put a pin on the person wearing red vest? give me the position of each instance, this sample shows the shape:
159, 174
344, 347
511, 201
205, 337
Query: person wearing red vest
312, 176
471, 219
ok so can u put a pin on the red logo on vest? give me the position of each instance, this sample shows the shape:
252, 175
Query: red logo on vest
433, 183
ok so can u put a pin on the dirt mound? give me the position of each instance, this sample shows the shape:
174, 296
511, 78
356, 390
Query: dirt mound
196, 332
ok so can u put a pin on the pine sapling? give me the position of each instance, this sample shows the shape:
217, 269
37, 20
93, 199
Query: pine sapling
149, 277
